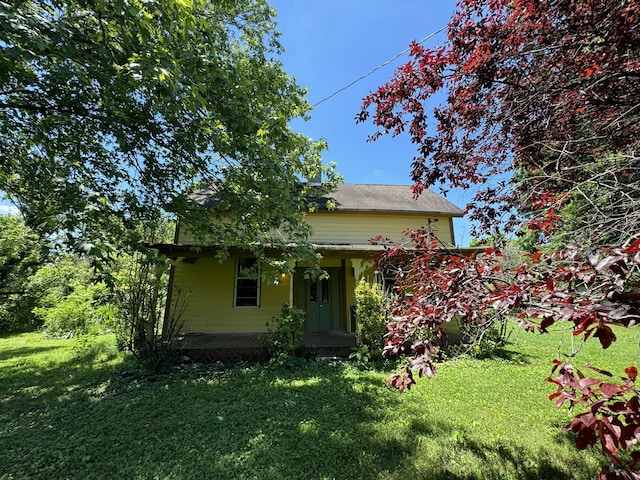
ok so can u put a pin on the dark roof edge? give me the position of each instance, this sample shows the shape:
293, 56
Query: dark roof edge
373, 210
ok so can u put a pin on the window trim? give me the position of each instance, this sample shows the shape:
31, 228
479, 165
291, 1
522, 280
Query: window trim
237, 278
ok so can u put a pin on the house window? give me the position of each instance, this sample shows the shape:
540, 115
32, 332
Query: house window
247, 289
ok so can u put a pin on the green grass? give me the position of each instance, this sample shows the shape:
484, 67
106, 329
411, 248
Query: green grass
67, 412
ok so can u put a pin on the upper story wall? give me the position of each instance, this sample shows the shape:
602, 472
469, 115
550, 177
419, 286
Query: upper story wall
357, 228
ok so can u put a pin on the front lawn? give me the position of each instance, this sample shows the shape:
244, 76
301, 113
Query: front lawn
74, 411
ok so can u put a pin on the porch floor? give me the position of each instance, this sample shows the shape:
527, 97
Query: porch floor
247, 346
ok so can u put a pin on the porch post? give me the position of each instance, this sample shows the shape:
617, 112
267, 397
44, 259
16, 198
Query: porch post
291, 263
359, 266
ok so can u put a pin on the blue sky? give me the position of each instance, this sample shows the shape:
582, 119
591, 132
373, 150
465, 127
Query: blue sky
330, 43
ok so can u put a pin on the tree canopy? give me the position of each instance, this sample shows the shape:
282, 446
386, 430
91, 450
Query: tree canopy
110, 110
545, 91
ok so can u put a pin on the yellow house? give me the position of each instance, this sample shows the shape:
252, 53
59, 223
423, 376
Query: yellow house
229, 304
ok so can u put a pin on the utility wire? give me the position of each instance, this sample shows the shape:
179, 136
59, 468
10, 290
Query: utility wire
377, 68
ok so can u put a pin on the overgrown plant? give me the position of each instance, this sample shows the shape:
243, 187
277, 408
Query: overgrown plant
146, 330
437, 288
372, 313
285, 332
611, 416
360, 355
479, 340
79, 312
594, 293
69, 298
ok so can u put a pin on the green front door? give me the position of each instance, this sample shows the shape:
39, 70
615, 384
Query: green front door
319, 304
321, 300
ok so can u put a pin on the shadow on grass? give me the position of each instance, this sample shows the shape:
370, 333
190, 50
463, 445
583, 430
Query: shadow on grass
83, 418
513, 356
79, 419
500, 461
8, 353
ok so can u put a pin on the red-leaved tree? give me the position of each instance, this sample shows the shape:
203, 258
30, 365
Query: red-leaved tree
546, 90
594, 293
543, 95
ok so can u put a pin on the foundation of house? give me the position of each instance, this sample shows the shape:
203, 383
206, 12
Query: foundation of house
235, 347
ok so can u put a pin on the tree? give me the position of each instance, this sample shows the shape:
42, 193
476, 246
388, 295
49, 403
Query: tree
546, 90
67, 298
111, 110
594, 293
21, 253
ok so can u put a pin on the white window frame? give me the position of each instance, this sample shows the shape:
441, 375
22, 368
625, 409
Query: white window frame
238, 276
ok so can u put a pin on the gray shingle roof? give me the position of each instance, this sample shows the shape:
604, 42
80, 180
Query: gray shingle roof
357, 197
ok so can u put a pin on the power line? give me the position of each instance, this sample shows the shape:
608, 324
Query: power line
377, 68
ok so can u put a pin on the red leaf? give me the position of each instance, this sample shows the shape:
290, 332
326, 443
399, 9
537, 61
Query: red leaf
608, 443
588, 382
634, 247
609, 389
589, 419
535, 257
599, 370
586, 437
614, 430
631, 372
546, 322
633, 404
605, 335
554, 394
618, 313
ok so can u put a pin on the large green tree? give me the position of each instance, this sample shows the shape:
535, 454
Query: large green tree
111, 109
21, 254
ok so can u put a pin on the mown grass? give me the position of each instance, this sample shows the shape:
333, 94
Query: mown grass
68, 412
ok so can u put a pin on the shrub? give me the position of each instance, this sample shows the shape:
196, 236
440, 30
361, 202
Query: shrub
371, 310
285, 332
142, 327
74, 313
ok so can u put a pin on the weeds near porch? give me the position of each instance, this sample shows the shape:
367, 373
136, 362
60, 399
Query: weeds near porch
285, 333
360, 356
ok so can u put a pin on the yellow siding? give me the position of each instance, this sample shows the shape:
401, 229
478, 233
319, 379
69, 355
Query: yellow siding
210, 304
359, 227
325, 262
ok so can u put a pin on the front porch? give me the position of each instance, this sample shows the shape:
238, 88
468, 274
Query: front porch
233, 347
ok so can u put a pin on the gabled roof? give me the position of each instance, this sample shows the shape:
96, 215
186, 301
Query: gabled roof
357, 197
